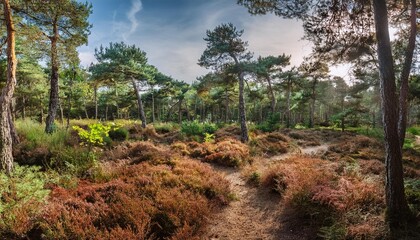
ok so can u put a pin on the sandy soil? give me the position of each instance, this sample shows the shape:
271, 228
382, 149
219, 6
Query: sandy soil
256, 214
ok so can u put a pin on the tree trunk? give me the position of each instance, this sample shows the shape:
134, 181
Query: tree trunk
95, 96
397, 208
140, 104
242, 113
153, 106
106, 112
6, 141
23, 107
180, 112
60, 106
13, 132
312, 105
272, 97
405, 74
288, 102
53, 104
226, 106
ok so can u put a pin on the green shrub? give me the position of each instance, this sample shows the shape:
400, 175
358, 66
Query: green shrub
414, 130
23, 196
334, 232
165, 127
196, 128
412, 191
95, 134
119, 134
75, 161
271, 124
35, 134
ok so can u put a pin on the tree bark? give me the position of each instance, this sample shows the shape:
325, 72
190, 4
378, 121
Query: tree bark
288, 112
140, 104
312, 104
13, 132
180, 112
272, 96
95, 96
153, 106
405, 74
227, 106
242, 113
53, 104
6, 141
397, 208
23, 107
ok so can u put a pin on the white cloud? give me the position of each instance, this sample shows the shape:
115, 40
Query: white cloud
174, 43
86, 58
136, 6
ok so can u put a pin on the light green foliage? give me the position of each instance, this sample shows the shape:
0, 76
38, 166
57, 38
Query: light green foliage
95, 135
23, 195
208, 137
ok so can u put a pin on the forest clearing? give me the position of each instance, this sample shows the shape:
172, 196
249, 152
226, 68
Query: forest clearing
229, 127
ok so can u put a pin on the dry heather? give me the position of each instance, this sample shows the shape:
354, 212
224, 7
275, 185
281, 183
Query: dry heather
270, 144
228, 132
348, 147
303, 138
142, 201
227, 152
335, 197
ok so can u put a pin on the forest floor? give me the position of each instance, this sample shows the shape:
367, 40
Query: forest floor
256, 213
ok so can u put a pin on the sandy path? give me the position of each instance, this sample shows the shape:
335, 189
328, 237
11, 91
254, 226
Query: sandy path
255, 213
249, 217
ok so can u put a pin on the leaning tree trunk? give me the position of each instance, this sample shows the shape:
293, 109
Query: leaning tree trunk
397, 208
6, 141
53, 104
405, 74
140, 104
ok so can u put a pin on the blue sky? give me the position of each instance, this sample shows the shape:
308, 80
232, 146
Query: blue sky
171, 32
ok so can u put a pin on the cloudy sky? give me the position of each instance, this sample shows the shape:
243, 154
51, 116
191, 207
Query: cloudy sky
171, 32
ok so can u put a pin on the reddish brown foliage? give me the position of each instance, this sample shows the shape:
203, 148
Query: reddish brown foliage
323, 189
143, 201
270, 144
229, 152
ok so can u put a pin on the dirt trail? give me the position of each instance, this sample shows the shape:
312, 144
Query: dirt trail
254, 215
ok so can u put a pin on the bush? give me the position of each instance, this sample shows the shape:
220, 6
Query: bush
162, 128
95, 134
118, 134
412, 191
23, 196
35, 136
198, 129
271, 124
144, 201
414, 130
335, 200
270, 144
229, 152
76, 161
